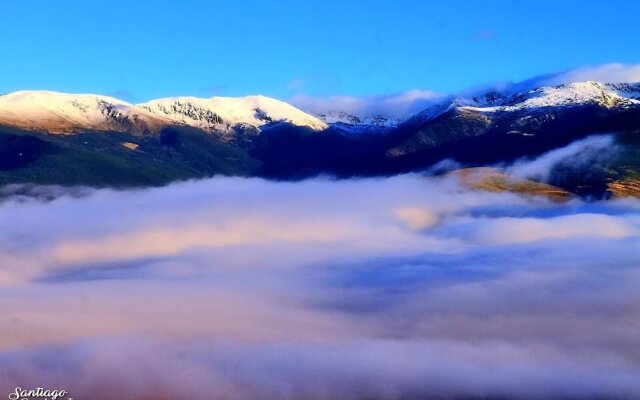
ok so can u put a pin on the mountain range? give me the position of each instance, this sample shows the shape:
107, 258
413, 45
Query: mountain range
57, 138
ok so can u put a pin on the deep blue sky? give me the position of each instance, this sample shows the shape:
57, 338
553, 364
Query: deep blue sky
141, 50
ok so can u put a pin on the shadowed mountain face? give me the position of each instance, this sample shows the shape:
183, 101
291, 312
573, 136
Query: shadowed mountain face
159, 142
116, 159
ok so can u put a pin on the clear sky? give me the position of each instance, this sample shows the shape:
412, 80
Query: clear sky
141, 50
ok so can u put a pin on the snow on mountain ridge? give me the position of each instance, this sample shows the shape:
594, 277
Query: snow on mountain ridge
65, 113
68, 113
629, 90
225, 113
336, 116
565, 95
350, 123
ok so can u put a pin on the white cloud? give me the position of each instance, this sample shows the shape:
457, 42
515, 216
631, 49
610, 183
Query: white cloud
399, 105
578, 154
403, 287
406, 104
608, 73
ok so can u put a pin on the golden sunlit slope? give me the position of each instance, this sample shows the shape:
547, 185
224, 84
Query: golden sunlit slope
496, 180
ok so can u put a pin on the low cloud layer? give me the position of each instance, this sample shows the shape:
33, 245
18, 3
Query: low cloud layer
404, 287
399, 105
577, 156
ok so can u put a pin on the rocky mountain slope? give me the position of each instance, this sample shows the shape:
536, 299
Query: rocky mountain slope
350, 124
228, 114
62, 113
516, 114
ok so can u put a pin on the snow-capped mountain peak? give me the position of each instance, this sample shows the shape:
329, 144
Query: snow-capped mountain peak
567, 95
63, 113
570, 94
349, 123
56, 112
226, 113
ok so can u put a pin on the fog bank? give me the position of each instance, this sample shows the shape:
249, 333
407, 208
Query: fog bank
403, 287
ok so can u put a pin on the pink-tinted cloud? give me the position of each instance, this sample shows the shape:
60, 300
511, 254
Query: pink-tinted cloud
403, 287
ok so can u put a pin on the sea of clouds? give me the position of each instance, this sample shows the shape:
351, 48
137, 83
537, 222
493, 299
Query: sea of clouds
383, 288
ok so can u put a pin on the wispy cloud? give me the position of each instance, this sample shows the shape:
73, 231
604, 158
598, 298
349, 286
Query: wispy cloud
406, 104
399, 105
297, 85
124, 94
576, 155
214, 90
483, 35
609, 73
